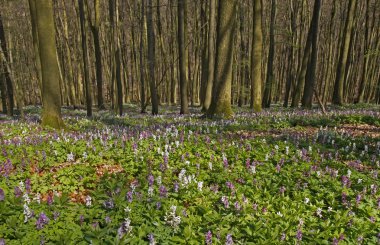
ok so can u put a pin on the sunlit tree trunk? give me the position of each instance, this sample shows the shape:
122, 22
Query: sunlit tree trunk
256, 56
221, 99
51, 100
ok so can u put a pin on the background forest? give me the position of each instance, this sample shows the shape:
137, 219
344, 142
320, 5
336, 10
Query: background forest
114, 52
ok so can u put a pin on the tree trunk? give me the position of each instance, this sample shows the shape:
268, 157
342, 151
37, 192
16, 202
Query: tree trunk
267, 99
82, 16
51, 101
221, 99
307, 100
256, 56
343, 56
151, 58
7, 77
183, 83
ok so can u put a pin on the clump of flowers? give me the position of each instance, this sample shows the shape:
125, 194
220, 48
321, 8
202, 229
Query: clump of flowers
125, 228
42, 221
172, 219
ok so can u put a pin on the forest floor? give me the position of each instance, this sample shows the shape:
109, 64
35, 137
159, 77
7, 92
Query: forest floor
277, 177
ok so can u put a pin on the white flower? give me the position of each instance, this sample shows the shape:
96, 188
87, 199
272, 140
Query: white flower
307, 200
172, 219
329, 209
210, 165
280, 214
287, 150
127, 210
319, 212
26, 198
159, 180
360, 181
348, 173
150, 191
88, 201
200, 185
70, 157
22, 186
38, 198
28, 214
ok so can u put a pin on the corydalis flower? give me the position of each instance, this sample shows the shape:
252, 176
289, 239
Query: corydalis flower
163, 191
299, 235
125, 228
70, 157
27, 213
172, 219
224, 200
208, 237
2, 195
42, 221
229, 240
151, 239
88, 201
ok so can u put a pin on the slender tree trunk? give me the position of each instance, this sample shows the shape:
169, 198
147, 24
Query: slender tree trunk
82, 16
183, 83
307, 100
7, 77
267, 99
256, 56
98, 55
151, 58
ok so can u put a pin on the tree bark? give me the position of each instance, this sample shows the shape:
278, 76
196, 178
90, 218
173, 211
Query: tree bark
183, 82
343, 56
256, 56
51, 100
221, 99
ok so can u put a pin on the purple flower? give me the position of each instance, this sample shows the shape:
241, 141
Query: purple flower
49, 199
163, 191
344, 198
95, 224
346, 181
283, 237
158, 205
81, 219
17, 191
208, 237
2, 195
278, 168
42, 221
237, 206
335, 241
28, 185
151, 239
282, 189
224, 200
2, 241
129, 196
150, 180
176, 186
358, 199
108, 219
109, 204
299, 235
229, 240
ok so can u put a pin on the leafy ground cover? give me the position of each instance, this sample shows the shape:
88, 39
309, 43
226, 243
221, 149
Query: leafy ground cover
278, 177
